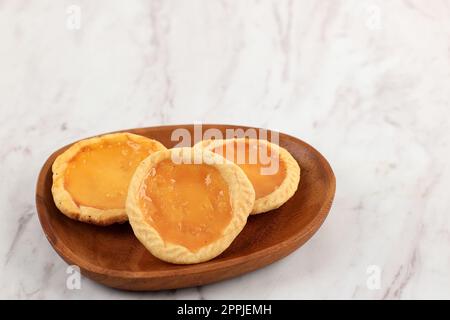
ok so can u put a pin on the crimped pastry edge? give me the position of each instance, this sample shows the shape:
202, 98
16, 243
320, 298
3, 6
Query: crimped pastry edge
64, 201
242, 197
287, 188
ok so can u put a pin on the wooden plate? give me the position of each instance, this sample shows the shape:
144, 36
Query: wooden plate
114, 257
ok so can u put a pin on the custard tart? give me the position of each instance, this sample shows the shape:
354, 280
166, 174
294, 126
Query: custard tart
187, 205
91, 178
274, 173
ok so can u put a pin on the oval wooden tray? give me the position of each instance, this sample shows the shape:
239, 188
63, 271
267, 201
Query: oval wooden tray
114, 257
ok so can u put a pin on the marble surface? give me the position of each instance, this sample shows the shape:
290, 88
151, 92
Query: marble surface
365, 82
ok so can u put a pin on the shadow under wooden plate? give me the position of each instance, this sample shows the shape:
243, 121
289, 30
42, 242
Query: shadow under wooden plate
114, 257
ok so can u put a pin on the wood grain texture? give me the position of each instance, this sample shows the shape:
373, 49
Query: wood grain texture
114, 257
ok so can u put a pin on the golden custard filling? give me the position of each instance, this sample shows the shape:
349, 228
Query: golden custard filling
261, 164
187, 204
98, 176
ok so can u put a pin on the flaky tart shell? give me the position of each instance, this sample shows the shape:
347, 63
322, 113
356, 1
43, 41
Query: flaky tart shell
242, 197
63, 199
286, 189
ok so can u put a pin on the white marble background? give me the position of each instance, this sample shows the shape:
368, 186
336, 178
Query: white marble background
365, 82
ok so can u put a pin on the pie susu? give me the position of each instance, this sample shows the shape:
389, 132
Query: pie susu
188, 211
91, 178
273, 172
